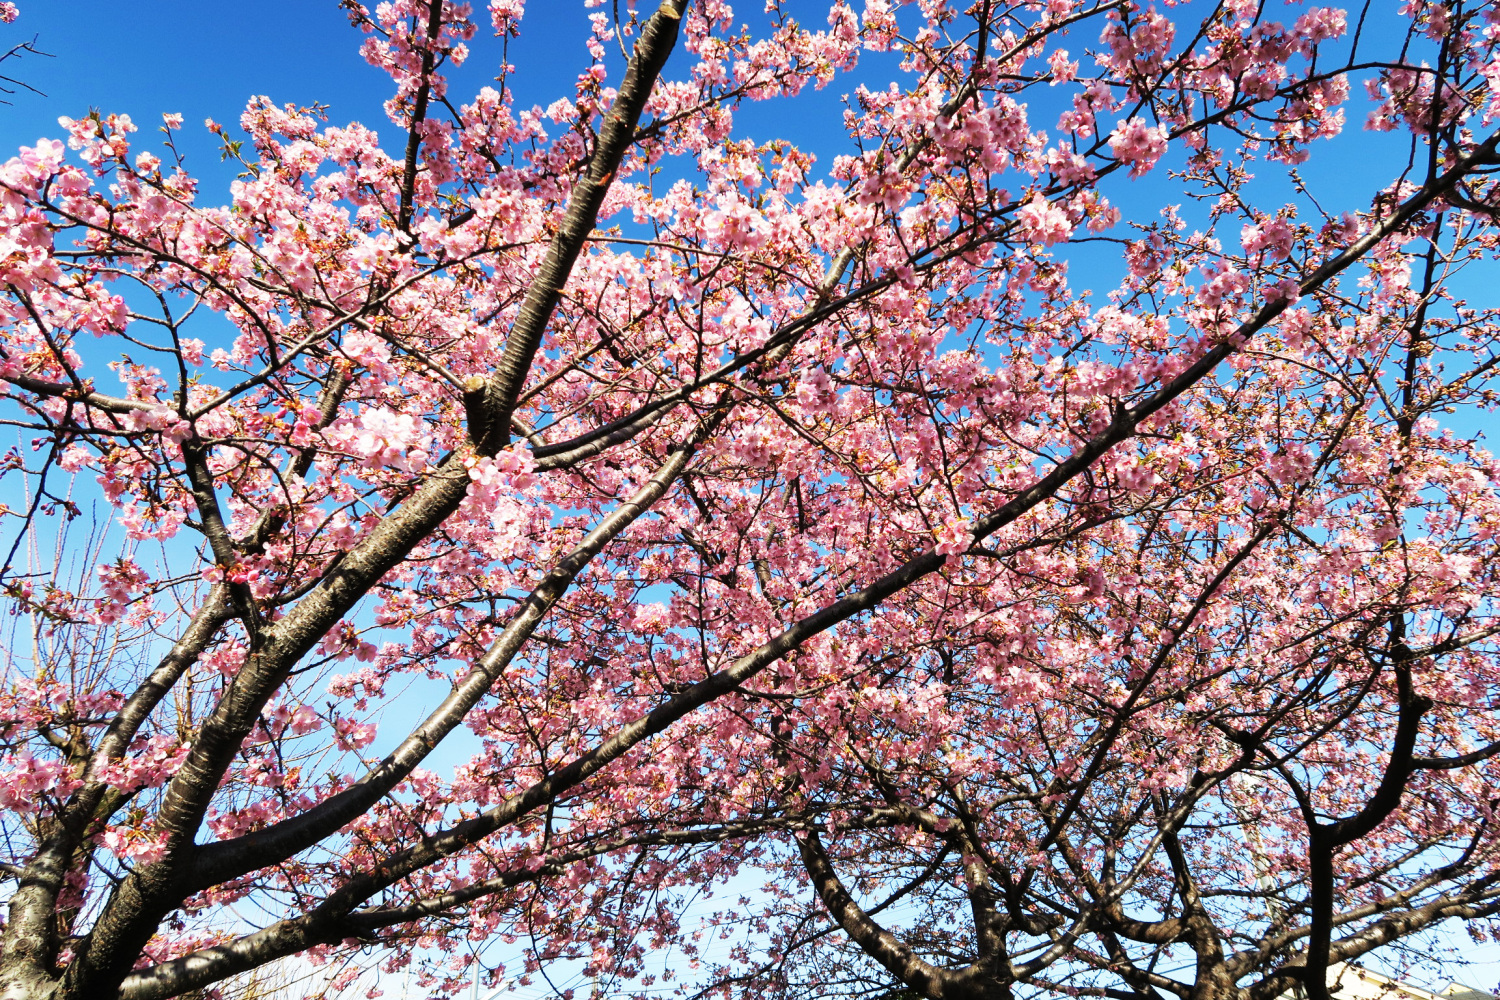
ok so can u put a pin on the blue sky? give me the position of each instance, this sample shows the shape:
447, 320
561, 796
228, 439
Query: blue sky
204, 59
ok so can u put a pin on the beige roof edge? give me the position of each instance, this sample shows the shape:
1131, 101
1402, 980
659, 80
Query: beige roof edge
1353, 982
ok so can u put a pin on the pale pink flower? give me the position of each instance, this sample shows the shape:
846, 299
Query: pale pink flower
953, 538
1043, 222
1062, 69
1138, 144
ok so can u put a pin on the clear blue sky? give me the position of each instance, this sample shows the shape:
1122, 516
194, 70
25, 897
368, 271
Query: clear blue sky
204, 58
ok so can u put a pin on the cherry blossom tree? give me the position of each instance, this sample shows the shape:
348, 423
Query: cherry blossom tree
737, 513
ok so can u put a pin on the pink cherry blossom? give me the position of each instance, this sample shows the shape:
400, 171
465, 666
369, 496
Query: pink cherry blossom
793, 507
1043, 222
1138, 144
